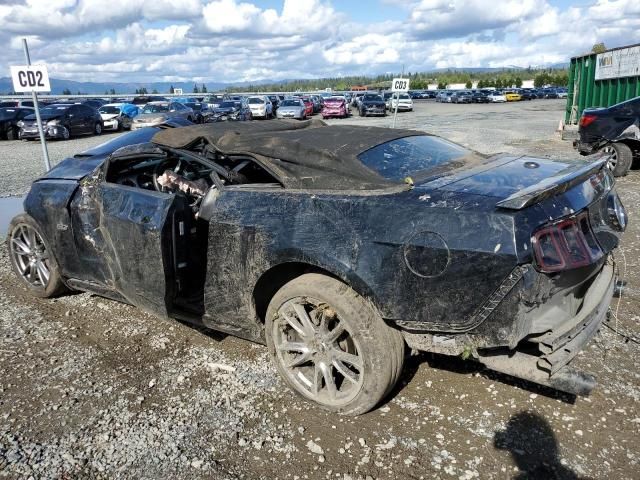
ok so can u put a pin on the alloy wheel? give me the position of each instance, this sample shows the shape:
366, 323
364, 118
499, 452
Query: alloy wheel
30, 255
613, 157
317, 351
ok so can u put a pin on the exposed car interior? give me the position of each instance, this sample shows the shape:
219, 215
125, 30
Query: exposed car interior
193, 174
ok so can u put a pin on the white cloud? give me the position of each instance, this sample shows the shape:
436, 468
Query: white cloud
237, 40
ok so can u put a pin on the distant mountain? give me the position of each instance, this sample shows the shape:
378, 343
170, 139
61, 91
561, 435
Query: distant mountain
98, 88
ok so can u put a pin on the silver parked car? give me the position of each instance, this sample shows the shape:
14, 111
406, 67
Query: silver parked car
155, 113
291, 108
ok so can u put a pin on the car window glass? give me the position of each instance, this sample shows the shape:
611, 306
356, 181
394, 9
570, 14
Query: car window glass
405, 157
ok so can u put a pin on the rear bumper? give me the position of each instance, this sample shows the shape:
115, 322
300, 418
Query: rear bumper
542, 357
547, 362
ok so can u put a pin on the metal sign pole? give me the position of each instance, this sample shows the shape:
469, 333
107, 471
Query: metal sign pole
34, 95
397, 95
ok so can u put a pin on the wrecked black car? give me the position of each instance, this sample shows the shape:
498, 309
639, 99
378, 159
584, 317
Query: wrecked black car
614, 131
338, 247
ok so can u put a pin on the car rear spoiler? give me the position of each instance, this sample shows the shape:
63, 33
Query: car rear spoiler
552, 186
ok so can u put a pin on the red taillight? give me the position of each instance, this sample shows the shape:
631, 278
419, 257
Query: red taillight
587, 120
565, 245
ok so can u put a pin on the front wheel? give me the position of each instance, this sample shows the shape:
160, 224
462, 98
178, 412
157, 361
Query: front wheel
620, 158
331, 346
31, 258
97, 129
11, 134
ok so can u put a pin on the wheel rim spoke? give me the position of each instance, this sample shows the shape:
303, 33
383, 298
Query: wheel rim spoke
317, 351
30, 255
344, 371
347, 358
336, 333
43, 272
329, 381
304, 318
24, 248
293, 323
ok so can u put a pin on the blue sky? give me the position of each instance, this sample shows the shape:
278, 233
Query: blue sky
254, 40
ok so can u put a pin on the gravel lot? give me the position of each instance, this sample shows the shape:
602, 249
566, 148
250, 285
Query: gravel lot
92, 388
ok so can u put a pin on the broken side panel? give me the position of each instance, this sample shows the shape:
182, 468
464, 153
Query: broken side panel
137, 226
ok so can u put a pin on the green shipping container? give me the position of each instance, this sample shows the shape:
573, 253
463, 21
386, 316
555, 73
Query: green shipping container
585, 91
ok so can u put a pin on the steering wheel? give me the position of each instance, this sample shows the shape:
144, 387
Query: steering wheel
159, 169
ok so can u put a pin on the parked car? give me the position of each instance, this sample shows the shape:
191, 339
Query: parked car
9, 118
527, 94
142, 100
16, 103
461, 96
335, 107
117, 116
614, 131
292, 108
512, 96
497, 97
189, 225
93, 103
201, 111
308, 104
275, 101
403, 100
214, 100
62, 121
550, 93
479, 97
372, 104
260, 106
235, 110
155, 113
355, 99
562, 92
317, 103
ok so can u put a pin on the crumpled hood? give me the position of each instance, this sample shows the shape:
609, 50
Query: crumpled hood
108, 116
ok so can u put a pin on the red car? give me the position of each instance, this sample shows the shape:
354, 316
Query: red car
308, 106
335, 107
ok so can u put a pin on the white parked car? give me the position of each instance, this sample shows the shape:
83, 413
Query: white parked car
260, 106
497, 97
403, 100
117, 116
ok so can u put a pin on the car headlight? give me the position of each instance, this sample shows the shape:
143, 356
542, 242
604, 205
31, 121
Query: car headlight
20, 124
53, 123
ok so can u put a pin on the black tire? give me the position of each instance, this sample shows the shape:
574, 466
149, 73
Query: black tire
12, 134
97, 128
54, 285
378, 348
621, 158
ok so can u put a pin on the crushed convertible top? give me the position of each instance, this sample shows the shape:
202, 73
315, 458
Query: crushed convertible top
302, 154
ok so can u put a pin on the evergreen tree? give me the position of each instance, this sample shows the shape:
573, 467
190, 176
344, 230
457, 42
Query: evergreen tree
195, 88
172, 90
204, 88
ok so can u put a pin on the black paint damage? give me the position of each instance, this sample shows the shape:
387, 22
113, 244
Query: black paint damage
447, 260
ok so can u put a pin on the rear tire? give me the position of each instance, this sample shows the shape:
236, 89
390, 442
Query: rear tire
331, 346
32, 258
621, 158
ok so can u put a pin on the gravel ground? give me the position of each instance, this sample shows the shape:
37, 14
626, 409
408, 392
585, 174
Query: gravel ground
21, 161
92, 388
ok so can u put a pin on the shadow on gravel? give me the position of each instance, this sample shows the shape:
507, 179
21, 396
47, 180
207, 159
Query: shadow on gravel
468, 367
533, 446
